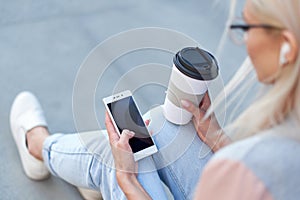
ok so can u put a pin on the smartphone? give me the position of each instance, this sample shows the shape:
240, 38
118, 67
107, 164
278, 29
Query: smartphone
125, 114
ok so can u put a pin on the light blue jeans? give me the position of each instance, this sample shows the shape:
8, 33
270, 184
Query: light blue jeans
85, 160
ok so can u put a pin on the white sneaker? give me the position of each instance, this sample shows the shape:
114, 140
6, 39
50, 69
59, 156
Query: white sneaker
26, 113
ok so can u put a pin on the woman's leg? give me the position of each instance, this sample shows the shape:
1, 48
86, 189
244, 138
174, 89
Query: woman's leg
181, 157
81, 159
85, 160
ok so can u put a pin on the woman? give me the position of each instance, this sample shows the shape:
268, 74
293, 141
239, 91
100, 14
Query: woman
265, 164
260, 167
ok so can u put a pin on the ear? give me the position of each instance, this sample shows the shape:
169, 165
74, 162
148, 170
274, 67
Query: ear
290, 38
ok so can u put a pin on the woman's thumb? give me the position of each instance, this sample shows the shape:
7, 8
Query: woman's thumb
125, 136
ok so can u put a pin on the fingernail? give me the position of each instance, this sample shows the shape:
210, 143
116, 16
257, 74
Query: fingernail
185, 103
131, 133
126, 131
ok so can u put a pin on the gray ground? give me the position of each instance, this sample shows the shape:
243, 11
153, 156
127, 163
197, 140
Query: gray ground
43, 43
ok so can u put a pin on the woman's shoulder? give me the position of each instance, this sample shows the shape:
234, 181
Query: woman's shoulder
273, 159
264, 148
271, 144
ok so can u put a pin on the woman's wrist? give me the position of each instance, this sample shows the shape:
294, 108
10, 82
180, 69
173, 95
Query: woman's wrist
130, 186
125, 179
223, 141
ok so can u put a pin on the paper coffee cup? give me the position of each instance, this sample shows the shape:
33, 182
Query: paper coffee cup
192, 71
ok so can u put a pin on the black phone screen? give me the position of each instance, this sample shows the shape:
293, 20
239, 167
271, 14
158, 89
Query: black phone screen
127, 116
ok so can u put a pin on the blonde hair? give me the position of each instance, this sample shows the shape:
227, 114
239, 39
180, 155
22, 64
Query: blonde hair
283, 97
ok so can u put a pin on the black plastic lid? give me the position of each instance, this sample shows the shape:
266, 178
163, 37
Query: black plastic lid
196, 63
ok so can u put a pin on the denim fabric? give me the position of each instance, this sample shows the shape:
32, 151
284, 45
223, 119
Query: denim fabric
85, 160
181, 157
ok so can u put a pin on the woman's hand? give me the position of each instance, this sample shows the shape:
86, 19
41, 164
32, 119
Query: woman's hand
121, 150
126, 167
208, 129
